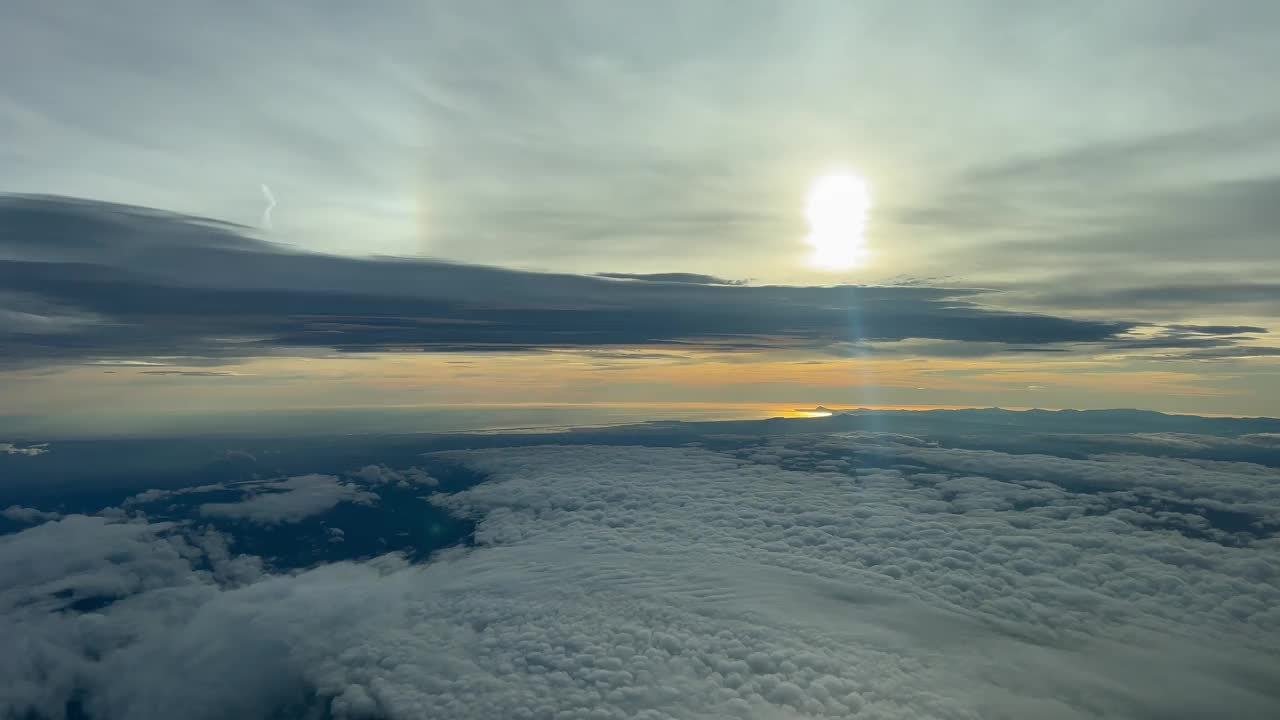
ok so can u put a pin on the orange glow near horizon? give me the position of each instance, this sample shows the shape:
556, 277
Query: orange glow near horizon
690, 379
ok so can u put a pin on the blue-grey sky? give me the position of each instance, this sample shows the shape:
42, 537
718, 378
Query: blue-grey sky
1111, 164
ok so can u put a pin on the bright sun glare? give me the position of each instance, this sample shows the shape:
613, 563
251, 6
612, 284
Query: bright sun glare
836, 210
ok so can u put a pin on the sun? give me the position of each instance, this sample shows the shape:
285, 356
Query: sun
837, 209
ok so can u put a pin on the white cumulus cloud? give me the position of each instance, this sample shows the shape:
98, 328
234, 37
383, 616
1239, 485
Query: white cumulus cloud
32, 450
383, 475
290, 500
28, 515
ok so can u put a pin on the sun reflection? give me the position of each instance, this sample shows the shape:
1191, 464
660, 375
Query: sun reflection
837, 209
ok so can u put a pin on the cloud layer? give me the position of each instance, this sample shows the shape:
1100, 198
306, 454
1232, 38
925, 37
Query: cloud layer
97, 281
814, 575
28, 450
288, 501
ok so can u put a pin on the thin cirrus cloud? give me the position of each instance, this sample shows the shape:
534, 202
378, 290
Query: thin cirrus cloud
1180, 224
158, 284
586, 136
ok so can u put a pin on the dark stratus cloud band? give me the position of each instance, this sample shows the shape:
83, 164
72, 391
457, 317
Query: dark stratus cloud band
84, 280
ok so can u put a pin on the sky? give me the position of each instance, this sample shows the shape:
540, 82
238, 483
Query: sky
233, 208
